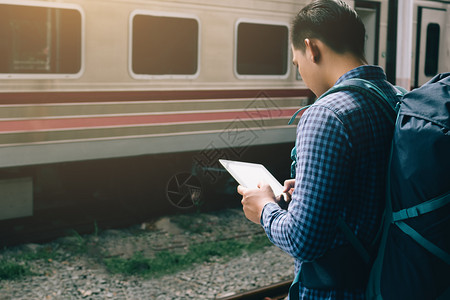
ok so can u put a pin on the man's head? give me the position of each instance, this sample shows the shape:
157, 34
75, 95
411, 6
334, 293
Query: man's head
333, 22
327, 41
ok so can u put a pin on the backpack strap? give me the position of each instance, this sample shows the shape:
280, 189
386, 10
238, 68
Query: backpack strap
367, 88
445, 256
351, 237
291, 120
422, 208
415, 211
361, 86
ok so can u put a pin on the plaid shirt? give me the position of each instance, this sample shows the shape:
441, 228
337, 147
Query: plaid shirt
343, 142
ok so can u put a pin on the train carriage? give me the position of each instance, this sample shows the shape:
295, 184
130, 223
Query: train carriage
113, 99
84, 82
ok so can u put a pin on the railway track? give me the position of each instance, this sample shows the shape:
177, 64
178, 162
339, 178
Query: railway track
275, 291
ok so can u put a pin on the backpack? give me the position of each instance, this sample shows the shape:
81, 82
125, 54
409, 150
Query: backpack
413, 256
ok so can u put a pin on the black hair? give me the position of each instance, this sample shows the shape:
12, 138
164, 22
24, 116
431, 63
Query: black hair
334, 23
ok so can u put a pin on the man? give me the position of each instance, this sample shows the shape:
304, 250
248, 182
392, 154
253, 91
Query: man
342, 143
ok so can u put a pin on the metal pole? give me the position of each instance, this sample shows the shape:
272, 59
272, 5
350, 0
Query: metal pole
404, 43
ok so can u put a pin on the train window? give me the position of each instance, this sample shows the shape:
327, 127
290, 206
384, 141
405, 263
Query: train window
261, 49
164, 45
432, 49
40, 41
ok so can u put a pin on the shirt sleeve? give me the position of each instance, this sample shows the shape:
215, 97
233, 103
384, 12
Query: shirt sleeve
308, 228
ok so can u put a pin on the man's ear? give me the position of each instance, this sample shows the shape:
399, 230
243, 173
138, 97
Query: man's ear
312, 50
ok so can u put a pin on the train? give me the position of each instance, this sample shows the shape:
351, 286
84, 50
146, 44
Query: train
127, 105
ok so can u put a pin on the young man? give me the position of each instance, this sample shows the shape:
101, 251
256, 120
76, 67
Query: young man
342, 143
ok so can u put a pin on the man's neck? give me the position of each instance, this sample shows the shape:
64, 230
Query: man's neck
338, 66
328, 65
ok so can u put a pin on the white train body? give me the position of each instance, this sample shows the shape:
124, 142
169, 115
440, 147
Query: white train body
100, 79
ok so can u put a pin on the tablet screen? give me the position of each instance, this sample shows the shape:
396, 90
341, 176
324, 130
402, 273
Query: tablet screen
250, 174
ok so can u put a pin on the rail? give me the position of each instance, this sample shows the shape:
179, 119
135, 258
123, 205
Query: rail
275, 291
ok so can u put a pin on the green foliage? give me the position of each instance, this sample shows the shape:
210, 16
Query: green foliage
45, 253
163, 262
12, 270
167, 262
16, 266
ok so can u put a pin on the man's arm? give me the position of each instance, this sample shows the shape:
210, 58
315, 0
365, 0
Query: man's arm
308, 228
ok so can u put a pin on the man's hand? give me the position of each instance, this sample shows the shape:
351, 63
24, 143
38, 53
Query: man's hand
254, 200
289, 186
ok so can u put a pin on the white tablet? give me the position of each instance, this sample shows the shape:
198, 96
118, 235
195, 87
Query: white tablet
250, 174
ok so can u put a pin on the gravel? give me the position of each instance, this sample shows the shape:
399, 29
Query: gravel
81, 275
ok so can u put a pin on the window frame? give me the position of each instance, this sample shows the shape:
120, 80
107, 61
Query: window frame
162, 14
76, 7
429, 53
235, 50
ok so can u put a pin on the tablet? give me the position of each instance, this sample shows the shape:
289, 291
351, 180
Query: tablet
250, 174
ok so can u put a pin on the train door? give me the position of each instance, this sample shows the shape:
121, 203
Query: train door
430, 41
369, 12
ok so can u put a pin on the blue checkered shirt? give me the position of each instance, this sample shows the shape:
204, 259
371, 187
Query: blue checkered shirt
343, 142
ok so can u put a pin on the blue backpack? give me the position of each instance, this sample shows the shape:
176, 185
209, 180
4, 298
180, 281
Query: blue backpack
413, 257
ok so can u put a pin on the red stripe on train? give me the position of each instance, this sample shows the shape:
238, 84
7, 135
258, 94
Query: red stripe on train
99, 121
